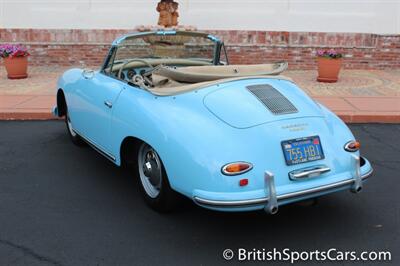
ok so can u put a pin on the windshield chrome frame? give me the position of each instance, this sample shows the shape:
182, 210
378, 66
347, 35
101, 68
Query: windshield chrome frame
217, 48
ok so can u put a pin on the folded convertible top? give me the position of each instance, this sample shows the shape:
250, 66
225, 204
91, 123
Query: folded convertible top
209, 73
167, 87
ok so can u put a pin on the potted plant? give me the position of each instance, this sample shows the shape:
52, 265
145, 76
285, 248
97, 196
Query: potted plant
15, 60
329, 63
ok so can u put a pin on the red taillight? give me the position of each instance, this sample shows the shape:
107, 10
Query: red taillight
352, 146
243, 182
236, 168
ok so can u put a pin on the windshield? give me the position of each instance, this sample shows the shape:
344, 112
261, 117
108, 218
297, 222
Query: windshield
166, 46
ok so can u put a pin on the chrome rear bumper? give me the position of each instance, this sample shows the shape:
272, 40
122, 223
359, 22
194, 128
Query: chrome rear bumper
271, 202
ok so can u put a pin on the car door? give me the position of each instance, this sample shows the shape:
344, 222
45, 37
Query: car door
94, 99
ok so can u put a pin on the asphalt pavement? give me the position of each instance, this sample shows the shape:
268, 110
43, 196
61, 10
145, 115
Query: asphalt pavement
66, 205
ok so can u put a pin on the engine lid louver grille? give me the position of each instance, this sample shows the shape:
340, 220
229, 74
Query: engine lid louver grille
272, 99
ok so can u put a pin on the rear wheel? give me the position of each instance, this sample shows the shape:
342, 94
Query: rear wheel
154, 183
75, 138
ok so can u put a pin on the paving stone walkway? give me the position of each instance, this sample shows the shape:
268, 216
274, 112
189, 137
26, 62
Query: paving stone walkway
359, 95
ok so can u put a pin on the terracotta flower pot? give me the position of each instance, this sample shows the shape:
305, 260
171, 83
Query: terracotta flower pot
328, 69
17, 67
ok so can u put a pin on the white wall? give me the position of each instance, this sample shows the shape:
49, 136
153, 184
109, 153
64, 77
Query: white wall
373, 16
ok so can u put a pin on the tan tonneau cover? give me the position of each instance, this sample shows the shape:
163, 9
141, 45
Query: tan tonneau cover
175, 80
170, 87
194, 74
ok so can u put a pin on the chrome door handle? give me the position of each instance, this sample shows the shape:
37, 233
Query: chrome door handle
308, 172
108, 104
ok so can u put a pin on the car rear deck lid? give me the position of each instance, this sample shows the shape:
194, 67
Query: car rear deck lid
252, 102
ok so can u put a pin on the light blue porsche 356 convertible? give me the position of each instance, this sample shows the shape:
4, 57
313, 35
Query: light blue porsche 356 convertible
229, 137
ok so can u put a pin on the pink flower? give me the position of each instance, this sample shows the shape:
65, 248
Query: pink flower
331, 53
13, 50
320, 52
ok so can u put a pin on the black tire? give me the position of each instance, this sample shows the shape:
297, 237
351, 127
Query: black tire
75, 138
167, 199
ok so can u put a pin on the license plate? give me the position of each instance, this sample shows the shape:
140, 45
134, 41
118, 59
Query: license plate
302, 150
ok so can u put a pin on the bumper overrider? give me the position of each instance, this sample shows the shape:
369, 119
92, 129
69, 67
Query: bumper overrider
271, 202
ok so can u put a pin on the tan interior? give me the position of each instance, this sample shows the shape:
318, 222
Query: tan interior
194, 74
161, 61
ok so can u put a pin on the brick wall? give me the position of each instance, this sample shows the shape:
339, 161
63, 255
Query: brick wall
88, 47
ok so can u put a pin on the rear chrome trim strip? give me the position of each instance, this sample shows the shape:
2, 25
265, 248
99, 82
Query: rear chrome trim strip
234, 203
252, 202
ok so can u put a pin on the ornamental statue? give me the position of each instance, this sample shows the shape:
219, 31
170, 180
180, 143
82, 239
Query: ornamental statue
168, 10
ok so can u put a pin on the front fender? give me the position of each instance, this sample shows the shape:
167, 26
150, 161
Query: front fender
67, 82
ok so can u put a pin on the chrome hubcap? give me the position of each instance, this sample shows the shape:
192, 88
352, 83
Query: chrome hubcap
150, 170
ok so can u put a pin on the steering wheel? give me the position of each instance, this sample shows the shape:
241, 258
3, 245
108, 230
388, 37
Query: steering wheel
134, 60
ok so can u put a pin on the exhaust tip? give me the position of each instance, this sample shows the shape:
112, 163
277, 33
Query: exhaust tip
273, 210
356, 189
